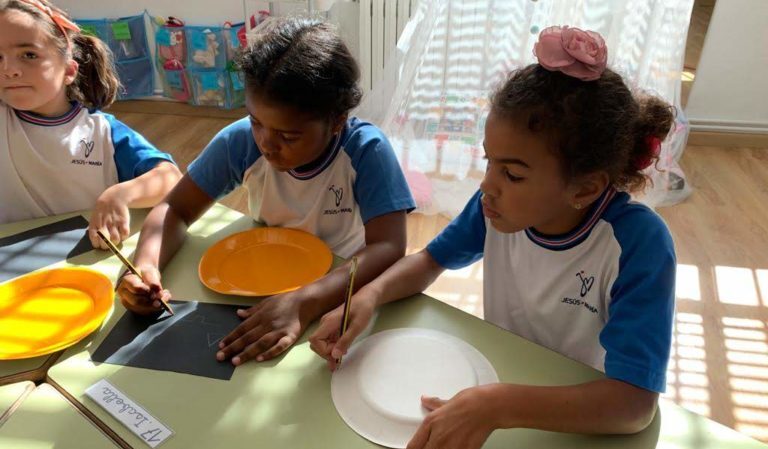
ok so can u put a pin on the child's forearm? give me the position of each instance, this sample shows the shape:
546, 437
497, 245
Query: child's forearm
328, 292
165, 228
409, 276
604, 406
161, 236
148, 189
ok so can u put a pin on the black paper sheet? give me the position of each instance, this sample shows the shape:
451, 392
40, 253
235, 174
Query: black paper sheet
39, 247
186, 342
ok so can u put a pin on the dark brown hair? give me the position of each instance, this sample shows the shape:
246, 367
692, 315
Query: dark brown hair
302, 63
96, 84
592, 125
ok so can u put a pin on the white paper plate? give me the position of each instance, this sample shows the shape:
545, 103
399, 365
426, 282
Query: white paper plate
377, 390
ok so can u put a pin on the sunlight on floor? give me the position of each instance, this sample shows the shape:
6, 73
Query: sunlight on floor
687, 284
736, 285
695, 374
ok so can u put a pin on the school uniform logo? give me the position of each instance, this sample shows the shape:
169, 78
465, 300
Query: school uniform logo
87, 147
586, 285
338, 193
338, 197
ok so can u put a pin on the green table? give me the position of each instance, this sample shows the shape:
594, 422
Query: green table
26, 369
35, 368
11, 395
44, 419
287, 402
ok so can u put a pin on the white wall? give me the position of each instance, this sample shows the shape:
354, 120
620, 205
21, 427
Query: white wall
730, 92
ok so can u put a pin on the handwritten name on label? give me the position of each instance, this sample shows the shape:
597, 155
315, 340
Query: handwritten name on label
132, 415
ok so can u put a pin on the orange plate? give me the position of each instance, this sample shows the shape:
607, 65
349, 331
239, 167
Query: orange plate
264, 261
49, 310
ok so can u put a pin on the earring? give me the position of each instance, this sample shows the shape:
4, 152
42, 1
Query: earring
577, 206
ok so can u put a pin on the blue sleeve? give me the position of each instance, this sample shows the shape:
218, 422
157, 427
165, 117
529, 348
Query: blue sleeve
380, 187
638, 335
220, 168
462, 242
134, 155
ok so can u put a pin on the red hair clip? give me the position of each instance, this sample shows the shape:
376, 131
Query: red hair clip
62, 22
654, 150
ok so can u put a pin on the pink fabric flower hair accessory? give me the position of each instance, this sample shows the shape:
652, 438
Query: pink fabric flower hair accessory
577, 53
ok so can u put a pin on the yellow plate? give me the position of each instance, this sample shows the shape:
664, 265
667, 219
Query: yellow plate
49, 310
264, 261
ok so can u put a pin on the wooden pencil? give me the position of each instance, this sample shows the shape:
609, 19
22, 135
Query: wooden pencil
130, 266
348, 299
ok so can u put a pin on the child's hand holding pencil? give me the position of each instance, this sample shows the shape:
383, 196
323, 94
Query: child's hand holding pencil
335, 334
143, 295
140, 292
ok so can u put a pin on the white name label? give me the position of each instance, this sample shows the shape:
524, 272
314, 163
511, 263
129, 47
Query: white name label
132, 415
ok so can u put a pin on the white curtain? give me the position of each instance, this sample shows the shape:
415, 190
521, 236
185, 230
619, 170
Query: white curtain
433, 100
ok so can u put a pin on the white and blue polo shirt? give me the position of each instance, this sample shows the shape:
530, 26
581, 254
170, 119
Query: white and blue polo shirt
603, 294
55, 165
357, 179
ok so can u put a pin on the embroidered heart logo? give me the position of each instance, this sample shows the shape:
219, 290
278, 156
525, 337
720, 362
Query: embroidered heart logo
87, 147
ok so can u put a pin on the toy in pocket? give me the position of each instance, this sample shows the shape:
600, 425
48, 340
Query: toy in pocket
231, 34
209, 89
258, 18
205, 49
171, 41
175, 85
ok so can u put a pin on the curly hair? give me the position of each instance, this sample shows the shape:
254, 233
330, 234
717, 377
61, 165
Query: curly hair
302, 63
592, 125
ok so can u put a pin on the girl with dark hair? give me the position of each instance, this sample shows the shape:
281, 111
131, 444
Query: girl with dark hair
306, 164
570, 262
58, 153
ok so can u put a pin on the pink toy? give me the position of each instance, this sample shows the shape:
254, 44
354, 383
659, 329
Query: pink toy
178, 46
232, 40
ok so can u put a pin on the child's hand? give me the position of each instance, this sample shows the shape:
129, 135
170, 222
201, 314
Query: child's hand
326, 342
460, 423
140, 297
270, 327
111, 216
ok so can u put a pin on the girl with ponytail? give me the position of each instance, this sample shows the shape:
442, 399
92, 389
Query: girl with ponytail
58, 152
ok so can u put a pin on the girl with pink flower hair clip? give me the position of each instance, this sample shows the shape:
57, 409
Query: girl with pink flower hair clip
570, 262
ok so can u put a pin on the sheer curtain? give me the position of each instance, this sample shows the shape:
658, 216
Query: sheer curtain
433, 100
